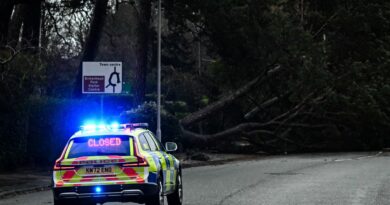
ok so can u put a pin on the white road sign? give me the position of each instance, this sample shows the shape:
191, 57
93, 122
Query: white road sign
102, 77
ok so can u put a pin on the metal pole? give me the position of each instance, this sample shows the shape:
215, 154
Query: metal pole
159, 74
199, 58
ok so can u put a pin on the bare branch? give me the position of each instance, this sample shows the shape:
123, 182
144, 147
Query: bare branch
304, 125
292, 112
326, 24
248, 127
257, 109
239, 129
56, 29
261, 132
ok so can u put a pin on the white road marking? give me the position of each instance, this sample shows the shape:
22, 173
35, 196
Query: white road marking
359, 158
342, 160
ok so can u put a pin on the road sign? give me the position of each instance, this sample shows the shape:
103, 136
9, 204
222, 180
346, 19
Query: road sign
102, 77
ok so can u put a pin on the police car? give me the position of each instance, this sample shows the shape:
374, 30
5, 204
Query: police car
117, 163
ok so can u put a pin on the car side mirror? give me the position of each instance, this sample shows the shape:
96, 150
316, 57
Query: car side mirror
171, 146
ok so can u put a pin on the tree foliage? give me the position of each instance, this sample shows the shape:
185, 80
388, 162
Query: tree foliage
334, 61
283, 75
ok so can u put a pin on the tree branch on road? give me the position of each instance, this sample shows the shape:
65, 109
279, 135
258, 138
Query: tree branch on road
216, 106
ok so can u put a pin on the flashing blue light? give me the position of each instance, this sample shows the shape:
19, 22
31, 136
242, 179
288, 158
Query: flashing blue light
89, 127
98, 189
115, 126
92, 127
102, 127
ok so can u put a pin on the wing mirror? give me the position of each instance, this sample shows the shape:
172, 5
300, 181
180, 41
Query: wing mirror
171, 146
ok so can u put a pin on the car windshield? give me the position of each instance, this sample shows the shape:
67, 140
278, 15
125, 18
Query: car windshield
99, 146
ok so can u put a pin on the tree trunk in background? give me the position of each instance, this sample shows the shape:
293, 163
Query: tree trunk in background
92, 41
31, 25
142, 51
6, 7
97, 24
15, 25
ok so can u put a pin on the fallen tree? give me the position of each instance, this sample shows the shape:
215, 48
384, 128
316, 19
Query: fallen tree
227, 100
248, 128
278, 127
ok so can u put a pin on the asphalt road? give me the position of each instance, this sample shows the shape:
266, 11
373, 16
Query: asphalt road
353, 179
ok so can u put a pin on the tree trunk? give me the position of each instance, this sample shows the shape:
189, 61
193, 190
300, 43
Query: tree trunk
6, 7
142, 50
15, 25
92, 41
227, 100
31, 25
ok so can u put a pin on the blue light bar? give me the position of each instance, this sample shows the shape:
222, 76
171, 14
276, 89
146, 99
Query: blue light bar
91, 127
101, 127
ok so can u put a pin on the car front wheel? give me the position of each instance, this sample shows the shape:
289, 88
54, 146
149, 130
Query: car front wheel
176, 198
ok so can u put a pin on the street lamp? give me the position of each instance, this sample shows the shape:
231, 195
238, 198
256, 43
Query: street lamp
159, 74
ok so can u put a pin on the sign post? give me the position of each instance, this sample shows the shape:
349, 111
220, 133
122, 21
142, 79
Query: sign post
102, 78
158, 132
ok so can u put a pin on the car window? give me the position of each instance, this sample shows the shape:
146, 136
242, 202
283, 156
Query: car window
144, 143
158, 143
99, 146
152, 144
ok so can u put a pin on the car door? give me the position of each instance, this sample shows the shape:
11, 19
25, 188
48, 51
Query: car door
167, 160
150, 147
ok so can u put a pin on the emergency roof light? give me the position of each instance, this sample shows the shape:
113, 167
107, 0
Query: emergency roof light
113, 126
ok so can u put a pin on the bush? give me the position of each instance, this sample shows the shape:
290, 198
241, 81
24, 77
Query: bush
35, 132
148, 113
52, 122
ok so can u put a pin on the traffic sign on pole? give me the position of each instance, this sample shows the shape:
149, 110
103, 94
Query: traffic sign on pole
102, 78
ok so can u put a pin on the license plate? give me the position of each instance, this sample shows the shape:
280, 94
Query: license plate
99, 170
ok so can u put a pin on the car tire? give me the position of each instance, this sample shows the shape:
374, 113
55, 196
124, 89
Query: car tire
59, 202
84, 203
157, 199
176, 198
74, 202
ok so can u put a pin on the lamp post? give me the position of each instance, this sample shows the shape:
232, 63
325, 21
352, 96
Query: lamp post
159, 74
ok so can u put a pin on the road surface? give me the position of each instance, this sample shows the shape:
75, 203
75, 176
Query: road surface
353, 179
